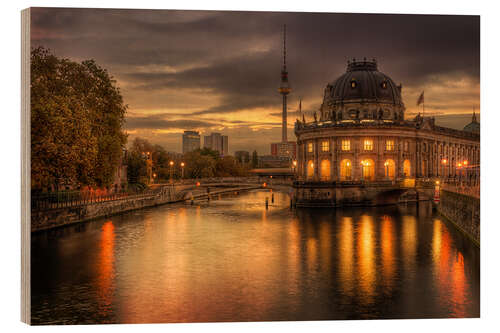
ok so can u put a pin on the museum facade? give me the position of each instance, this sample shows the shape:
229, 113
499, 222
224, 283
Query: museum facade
361, 134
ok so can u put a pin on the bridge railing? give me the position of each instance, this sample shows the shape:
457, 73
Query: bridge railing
473, 191
212, 180
62, 199
55, 200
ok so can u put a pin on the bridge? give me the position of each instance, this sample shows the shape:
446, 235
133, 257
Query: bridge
313, 194
302, 194
361, 193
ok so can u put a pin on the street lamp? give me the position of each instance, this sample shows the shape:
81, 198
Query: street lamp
182, 167
171, 171
443, 163
466, 172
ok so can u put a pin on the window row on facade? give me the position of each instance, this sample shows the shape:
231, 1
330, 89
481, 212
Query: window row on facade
444, 150
346, 145
346, 170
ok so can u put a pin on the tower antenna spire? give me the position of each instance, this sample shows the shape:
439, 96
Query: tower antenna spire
284, 47
284, 90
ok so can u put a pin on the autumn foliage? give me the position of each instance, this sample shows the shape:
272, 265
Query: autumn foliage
77, 113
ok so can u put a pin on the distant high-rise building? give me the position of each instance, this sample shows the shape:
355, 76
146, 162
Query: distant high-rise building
284, 149
216, 141
190, 141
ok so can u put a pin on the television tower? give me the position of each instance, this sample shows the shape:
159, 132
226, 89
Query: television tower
284, 88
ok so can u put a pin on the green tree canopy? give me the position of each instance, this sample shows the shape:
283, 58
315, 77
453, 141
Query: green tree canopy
77, 113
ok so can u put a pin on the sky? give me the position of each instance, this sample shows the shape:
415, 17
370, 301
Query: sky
219, 71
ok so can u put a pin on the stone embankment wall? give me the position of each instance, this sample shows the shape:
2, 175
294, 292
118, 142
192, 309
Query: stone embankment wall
48, 219
463, 211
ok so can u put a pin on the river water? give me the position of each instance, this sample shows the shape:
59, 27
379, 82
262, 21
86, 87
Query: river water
230, 259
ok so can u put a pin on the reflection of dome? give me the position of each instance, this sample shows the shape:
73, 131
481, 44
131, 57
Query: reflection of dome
473, 126
363, 93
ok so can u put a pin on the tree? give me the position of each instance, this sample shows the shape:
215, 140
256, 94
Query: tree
228, 166
136, 168
199, 165
141, 145
209, 152
77, 114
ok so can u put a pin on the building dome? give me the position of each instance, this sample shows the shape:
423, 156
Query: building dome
473, 126
362, 93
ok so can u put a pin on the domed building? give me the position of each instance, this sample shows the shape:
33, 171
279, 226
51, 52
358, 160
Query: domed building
362, 93
361, 139
473, 126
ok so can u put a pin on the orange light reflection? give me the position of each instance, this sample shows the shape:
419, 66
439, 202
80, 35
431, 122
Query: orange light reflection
105, 267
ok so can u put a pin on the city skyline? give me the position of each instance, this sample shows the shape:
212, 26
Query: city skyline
208, 72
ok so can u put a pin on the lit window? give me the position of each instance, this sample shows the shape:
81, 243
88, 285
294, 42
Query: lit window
353, 84
368, 144
310, 147
325, 146
389, 145
346, 144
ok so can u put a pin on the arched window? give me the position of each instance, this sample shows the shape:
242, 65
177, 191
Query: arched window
310, 170
368, 169
390, 169
325, 170
407, 168
345, 169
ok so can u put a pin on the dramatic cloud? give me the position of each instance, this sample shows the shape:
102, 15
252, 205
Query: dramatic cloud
219, 71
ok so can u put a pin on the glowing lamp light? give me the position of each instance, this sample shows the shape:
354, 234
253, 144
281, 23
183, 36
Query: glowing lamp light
197, 183
444, 161
182, 164
437, 182
171, 163
264, 185
348, 163
466, 162
459, 165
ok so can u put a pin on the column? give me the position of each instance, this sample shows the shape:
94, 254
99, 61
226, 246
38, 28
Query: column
316, 160
333, 159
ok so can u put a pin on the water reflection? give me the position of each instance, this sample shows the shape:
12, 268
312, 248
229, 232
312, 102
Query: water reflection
366, 259
388, 256
409, 241
346, 256
231, 259
105, 266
